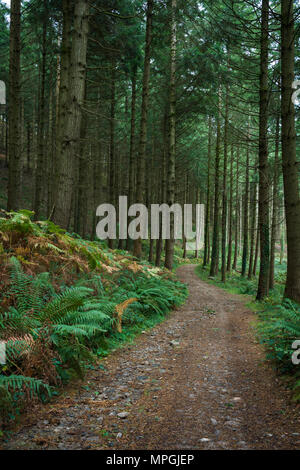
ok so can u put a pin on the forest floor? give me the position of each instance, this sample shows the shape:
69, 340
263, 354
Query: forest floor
197, 381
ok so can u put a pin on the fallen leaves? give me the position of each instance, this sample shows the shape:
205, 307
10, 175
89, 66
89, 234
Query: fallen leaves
120, 309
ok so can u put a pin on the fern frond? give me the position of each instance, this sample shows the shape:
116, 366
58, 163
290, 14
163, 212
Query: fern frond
71, 299
18, 382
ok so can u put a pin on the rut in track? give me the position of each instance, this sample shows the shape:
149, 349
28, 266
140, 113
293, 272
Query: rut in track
197, 381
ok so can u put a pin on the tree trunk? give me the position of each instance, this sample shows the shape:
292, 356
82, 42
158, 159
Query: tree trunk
252, 229
282, 244
41, 167
275, 207
71, 123
207, 214
237, 214
257, 245
14, 151
172, 136
132, 166
62, 88
230, 219
224, 202
83, 181
137, 251
112, 177
246, 214
214, 266
289, 160
263, 283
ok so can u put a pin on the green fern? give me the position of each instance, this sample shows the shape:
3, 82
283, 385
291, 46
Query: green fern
19, 382
38, 311
278, 329
20, 222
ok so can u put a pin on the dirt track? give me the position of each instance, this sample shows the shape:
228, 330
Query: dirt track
197, 381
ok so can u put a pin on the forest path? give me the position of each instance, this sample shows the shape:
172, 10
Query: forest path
197, 381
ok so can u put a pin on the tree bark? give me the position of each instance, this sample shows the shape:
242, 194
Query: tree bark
172, 136
224, 202
275, 207
289, 161
230, 217
207, 210
252, 228
132, 165
246, 214
263, 283
14, 151
137, 250
41, 167
214, 266
71, 124
112, 176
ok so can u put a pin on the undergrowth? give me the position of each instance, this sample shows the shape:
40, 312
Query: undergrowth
55, 325
278, 323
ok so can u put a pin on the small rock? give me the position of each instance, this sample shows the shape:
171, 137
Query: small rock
174, 343
119, 435
123, 415
214, 421
233, 424
204, 439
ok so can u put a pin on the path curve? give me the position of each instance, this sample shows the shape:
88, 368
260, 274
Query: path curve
197, 381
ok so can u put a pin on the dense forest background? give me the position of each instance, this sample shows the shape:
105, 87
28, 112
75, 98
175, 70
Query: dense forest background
162, 101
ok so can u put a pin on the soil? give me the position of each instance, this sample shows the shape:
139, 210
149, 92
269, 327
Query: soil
197, 381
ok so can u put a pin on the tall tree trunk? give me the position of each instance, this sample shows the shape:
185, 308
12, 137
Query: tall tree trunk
263, 283
83, 181
28, 147
214, 266
282, 239
252, 228
14, 151
257, 245
207, 210
71, 123
137, 251
237, 214
289, 160
230, 218
275, 207
246, 213
172, 135
132, 162
41, 167
62, 89
159, 243
224, 202
112, 176
151, 189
